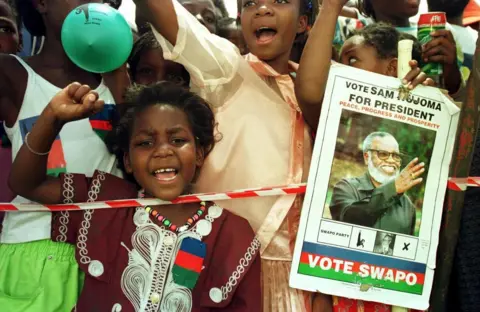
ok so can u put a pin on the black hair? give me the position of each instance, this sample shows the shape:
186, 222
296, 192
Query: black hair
18, 19
139, 98
145, 42
384, 38
417, 47
220, 5
114, 3
31, 18
307, 8
223, 26
366, 8
452, 8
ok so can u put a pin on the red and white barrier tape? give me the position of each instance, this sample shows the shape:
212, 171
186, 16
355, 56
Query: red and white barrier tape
456, 184
125, 203
461, 184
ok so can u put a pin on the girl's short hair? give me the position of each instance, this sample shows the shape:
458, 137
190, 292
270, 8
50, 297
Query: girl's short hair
366, 8
384, 38
139, 98
16, 15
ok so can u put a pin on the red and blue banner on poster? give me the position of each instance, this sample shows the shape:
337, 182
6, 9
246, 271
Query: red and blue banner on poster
358, 267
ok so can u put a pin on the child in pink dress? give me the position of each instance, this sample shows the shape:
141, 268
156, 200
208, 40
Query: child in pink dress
265, 140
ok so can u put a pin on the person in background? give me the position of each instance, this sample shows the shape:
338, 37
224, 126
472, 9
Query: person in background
46, 273
228, 28
10, 43
441, 49
204, 11
465, 37
147, 65
10, 25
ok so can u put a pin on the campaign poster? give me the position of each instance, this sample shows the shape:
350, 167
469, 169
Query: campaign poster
372, 211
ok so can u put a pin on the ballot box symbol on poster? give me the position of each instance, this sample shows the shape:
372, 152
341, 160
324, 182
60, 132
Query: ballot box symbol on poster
405, 247
362, 239
384, 243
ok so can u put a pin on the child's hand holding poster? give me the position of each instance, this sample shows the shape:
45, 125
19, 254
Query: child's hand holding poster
372, 211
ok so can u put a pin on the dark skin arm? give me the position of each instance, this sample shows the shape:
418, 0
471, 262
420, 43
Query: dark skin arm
28, 176
314, 66
442, 49
161, 14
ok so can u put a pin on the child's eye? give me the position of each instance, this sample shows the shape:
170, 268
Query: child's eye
209, 20
175, 79
179, 141
248, 4
281, 1
144, 143
352, 60
6, 29
145, 71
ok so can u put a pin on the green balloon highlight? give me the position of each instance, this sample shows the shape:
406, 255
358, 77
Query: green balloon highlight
97, 38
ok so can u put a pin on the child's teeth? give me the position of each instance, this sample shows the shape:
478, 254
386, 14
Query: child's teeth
164, 170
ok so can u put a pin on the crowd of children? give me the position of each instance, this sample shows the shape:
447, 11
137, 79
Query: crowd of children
206, 103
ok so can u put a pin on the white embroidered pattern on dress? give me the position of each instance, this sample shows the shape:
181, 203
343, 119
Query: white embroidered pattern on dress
87, 216
147, 281
244, 262
68, 195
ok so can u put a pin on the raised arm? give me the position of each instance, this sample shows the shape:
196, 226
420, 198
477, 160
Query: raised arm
161, 14
315, 63
28, 176
211, 61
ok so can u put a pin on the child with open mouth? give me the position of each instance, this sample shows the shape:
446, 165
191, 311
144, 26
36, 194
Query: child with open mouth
178, 257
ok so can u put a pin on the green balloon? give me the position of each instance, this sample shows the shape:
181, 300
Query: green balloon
97, 38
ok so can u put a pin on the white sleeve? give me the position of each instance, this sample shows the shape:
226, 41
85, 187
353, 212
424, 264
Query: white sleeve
210, 60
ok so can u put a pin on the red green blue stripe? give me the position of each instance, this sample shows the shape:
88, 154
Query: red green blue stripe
359, 256
375, 270
189, 262
102, 121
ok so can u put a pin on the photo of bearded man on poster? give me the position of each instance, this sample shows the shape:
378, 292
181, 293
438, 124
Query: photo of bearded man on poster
378, 198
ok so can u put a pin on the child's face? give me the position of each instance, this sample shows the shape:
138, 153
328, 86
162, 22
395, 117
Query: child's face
152, 68
204, 11
269, 26
9, 34
162, 153
355, 52
396, 8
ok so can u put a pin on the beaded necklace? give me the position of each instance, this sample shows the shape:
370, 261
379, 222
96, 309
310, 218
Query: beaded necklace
172, 227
